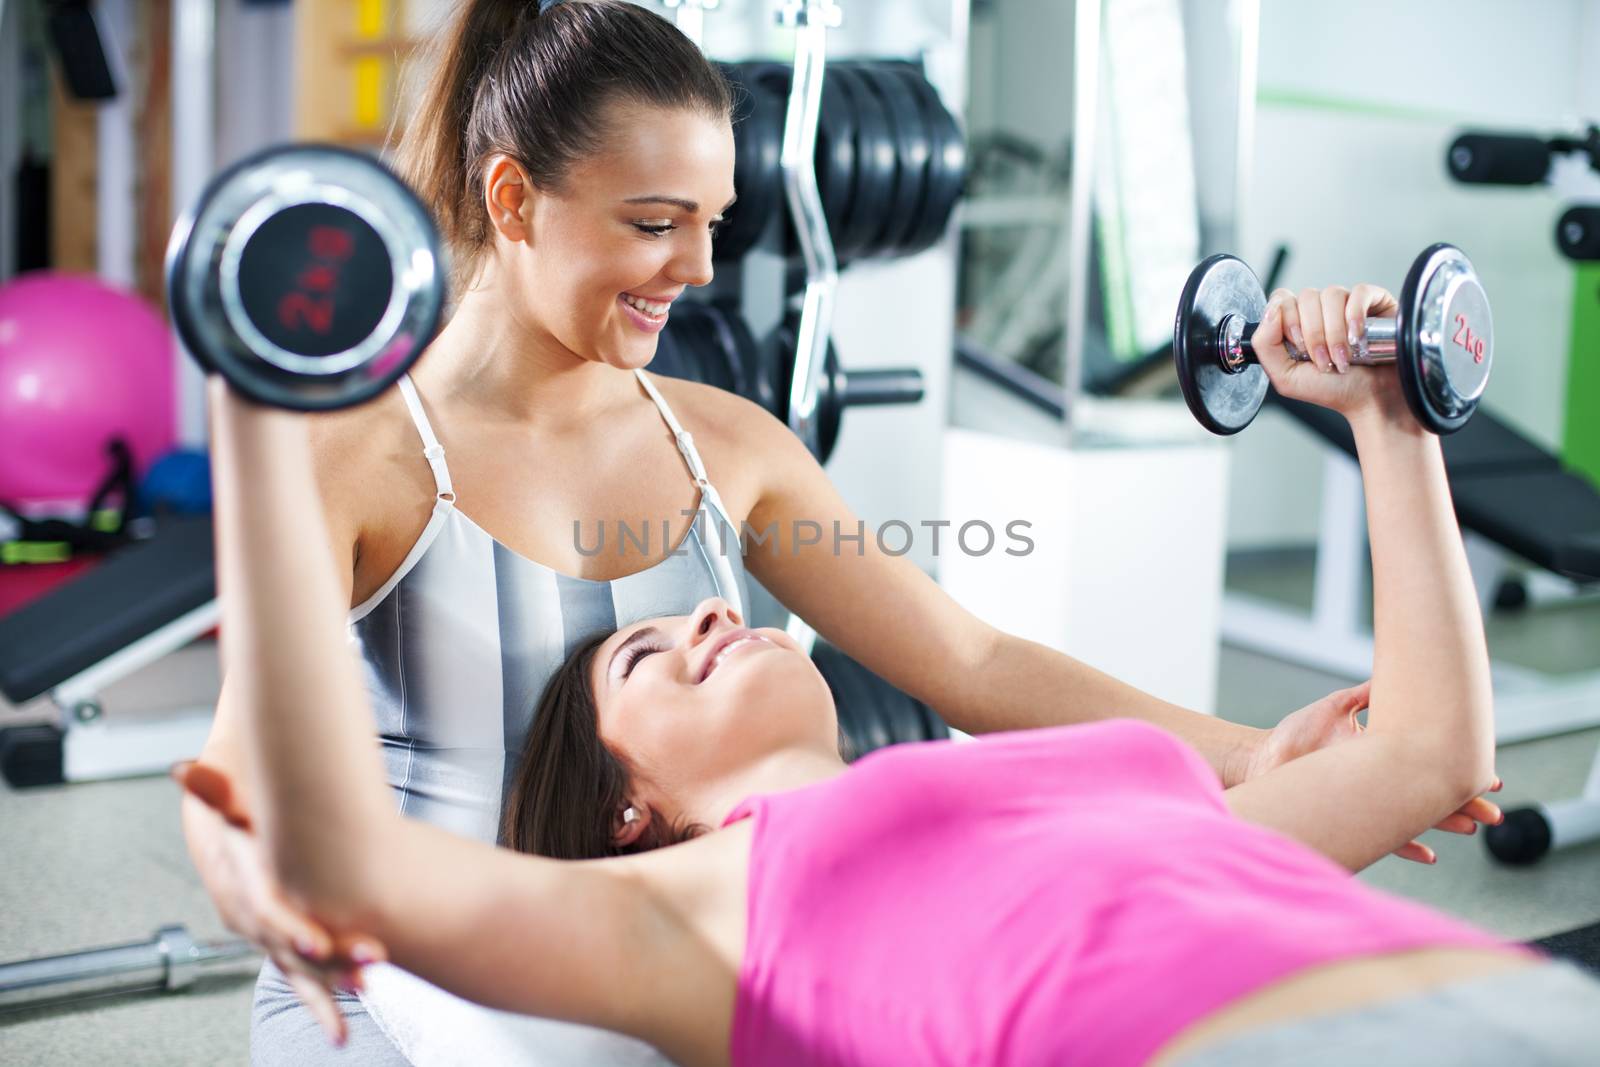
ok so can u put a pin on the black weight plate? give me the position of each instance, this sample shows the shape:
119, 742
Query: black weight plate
778, 356
688, 347
719, 369
912, 719
859, 713
757, 368
947, 164
678, 348
835, 154
754, 386
911, 155
776, 350
758, 164
830, 404
732, 359
709, 352
876, 164
947, 178
668, 360
1220, 286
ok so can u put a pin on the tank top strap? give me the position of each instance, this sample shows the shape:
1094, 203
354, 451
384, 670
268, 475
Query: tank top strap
684, 438
432, 450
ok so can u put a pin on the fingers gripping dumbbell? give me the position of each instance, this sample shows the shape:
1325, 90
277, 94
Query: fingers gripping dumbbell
1441, 340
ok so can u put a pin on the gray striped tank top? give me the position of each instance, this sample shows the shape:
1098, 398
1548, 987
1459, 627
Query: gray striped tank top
457, 645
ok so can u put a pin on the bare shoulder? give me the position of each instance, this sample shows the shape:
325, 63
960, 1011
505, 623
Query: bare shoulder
716, 414
740, 442
364, 459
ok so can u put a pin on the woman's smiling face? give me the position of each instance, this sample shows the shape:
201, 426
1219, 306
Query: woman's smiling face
692, 699
598, 262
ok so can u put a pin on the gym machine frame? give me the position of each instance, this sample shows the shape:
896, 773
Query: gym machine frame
811, 20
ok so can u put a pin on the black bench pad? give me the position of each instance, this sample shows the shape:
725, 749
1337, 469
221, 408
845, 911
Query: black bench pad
133, 592
1506, 487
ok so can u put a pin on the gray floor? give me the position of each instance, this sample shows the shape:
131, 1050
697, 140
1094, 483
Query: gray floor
93, 864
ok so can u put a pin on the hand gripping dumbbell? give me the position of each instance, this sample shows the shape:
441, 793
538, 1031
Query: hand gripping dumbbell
1441, 339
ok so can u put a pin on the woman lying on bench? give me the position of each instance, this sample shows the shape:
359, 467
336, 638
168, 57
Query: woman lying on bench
1079, 894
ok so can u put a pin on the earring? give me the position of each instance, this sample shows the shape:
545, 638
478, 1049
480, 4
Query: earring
629, 816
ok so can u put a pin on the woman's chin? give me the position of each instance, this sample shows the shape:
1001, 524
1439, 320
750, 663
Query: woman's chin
629, 354
772, 680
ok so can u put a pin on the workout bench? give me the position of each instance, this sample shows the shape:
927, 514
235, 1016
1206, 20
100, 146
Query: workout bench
135, 607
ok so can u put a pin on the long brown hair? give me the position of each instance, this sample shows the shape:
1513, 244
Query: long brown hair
507, 79
568, 785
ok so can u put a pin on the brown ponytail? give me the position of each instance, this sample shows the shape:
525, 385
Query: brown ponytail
507, 79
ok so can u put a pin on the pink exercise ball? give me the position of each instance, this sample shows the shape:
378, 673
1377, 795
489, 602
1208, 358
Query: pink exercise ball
81, 362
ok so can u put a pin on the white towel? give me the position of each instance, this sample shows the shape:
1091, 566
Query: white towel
435, 1028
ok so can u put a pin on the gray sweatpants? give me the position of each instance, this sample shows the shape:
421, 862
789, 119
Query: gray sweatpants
1544, 1016
283, 1033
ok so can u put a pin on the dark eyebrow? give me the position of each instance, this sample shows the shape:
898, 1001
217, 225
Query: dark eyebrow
633, 639
691, 206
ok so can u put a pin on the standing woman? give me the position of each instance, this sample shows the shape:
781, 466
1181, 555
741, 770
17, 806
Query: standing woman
578, 158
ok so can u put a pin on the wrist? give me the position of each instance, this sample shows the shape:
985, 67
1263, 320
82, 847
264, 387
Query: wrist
1373, 421
1247, 744
230, 407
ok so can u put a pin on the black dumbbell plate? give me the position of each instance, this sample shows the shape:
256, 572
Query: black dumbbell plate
1220, 286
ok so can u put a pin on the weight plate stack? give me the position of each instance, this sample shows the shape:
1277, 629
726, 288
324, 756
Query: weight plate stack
947, 164
692, 347
876, 164
836, 149
890, 161
757, 167
911, 156
728, 328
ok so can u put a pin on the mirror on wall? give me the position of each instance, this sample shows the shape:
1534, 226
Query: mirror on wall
1106, 146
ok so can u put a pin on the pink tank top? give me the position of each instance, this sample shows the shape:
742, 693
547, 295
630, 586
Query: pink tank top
1071, 895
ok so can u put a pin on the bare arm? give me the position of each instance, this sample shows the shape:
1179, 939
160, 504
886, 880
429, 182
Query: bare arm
1430, 734
885, 612
228, 858
224, 747
518, 932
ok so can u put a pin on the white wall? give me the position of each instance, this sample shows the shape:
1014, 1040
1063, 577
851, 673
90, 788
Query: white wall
1357, 106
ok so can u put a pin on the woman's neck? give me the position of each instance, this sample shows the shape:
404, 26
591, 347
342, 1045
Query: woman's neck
499, 363
790, 768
